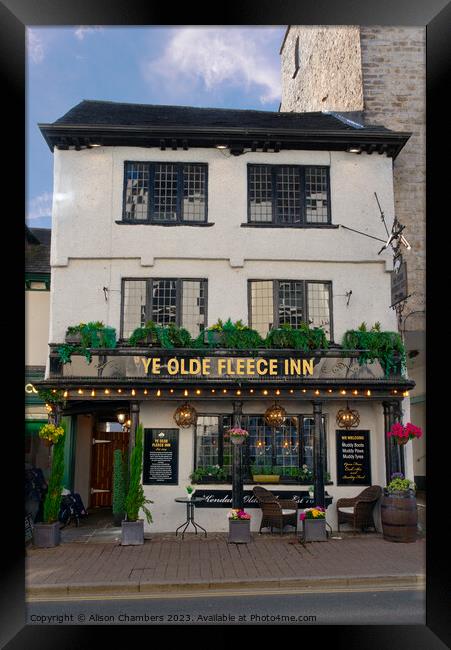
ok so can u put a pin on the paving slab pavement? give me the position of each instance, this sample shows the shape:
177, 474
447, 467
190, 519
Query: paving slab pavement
165, 563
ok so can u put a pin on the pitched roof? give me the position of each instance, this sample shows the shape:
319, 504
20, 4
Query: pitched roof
37, 255
118, 123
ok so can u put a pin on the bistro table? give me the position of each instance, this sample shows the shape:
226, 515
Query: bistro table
190, 505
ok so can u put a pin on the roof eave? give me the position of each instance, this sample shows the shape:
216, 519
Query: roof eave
111, 135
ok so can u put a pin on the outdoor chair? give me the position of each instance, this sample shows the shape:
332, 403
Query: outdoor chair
276, 513
358, 511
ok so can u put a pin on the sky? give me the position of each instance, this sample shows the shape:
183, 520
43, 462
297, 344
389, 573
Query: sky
217, 66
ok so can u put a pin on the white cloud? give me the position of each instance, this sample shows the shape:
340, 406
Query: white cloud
220, 55
82, 30
35, 46
40, 206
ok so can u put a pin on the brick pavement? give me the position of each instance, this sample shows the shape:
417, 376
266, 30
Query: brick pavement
167, 562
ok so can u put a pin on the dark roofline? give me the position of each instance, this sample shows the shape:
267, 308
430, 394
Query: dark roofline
30, 236
64, 136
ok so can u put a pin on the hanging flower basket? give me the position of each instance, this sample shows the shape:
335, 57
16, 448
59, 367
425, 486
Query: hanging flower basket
238, 436
50, 434
402, 434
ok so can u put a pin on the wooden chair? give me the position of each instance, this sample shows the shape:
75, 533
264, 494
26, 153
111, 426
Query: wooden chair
276, 513
359, 511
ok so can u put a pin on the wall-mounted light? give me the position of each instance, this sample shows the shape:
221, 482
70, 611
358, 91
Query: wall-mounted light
275, 415
348, 418
185, 416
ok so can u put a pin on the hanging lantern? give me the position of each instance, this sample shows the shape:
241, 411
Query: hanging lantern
348, 418
275, 415
185, 416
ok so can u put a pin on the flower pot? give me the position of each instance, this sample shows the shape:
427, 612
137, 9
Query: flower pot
399, 516
239, 531
132, 533
314, 530
265, 478
73, 338
402, 441
46, 535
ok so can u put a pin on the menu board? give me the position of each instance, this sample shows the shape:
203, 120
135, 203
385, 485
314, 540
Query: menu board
161, 457
353, 457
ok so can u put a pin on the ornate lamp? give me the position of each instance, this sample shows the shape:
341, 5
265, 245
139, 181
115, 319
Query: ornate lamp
348, 418
124, 421
185, 416
275, 415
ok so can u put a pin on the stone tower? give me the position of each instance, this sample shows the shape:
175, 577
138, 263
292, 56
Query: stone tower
379, 74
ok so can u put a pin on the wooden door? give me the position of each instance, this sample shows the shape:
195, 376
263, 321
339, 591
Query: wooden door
104, 444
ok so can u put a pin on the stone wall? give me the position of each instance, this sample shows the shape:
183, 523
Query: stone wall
394, 87
382, 71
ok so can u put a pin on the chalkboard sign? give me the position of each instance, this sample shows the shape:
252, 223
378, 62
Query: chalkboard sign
161, 457
353, 457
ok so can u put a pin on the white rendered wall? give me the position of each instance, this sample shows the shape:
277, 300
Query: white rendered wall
88, 201
37, 307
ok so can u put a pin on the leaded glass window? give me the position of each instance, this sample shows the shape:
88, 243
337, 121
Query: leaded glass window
165, 301
273, 303
288, 195
165, 192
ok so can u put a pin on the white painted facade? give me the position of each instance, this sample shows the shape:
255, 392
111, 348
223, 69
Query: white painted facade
91, 251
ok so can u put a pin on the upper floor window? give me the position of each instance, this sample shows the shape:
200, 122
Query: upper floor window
165, 192
275, 302
288, 195
164, 301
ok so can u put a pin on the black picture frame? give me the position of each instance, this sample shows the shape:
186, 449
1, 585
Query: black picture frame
435, 15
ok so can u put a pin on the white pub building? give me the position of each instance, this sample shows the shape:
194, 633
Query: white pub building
188, 216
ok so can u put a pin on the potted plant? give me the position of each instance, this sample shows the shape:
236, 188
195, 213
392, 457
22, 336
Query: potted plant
314, 524
311, 491
132, 527
209, 474
189, 490
402, 434
118, 487
51, 433
374, 344
238, 435
265, 474
399, 514
239, 527
47, 533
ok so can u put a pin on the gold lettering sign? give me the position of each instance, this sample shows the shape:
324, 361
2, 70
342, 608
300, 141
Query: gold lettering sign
227, 366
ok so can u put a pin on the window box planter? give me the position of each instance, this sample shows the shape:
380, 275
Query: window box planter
314, 530
212, 336
239, 531
46, 535
266, 478
132, 533
74, 339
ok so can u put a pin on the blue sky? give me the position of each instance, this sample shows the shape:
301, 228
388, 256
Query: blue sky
229, 67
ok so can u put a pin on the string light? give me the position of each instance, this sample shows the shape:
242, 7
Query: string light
316, 392
213, 390
80, 392
343, 392
197, 392
238, 392
133, 392
185, 393
291, 391
119, 390
395, 391
265, 392
368, 392
145, 391
65, 393
224, 391
277, 392
93, 393
304, 390
158, 393
171, 390
329, 390
107, 392
355, 392
251, 390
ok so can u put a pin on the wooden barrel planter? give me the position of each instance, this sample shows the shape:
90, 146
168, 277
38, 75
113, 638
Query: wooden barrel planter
399, 516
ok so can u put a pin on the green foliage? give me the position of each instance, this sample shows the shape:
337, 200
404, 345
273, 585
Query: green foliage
118, 482
211, 471
50, 397
386, 347
52, 500
94, 335
135, 499
401, 485
233, 335
169, 337
301, 338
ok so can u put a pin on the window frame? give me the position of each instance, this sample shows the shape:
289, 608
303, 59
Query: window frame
151, 165
179, 298
246, 468
275, 289
276, 222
